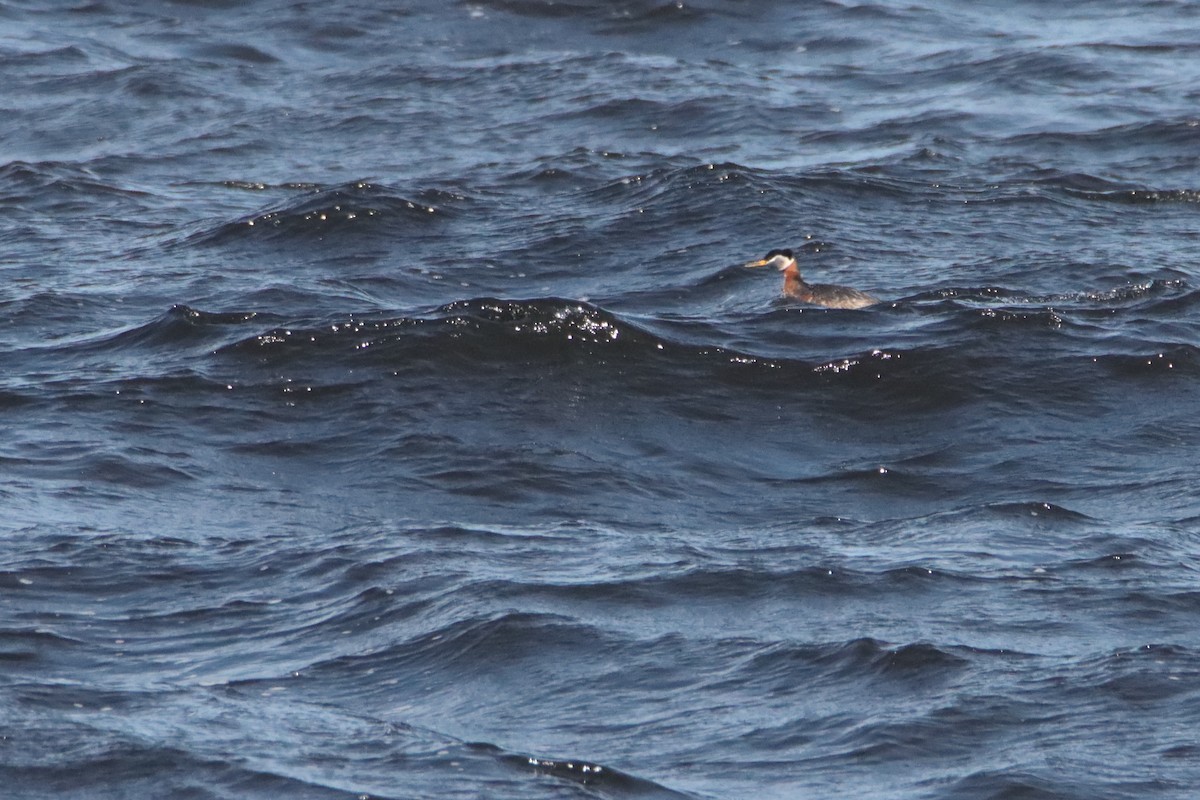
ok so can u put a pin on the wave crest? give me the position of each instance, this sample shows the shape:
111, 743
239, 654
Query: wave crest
319, 213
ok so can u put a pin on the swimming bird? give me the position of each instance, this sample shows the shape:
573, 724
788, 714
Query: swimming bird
821, 294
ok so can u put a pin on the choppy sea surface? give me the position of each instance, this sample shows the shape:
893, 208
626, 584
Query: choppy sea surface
386, 412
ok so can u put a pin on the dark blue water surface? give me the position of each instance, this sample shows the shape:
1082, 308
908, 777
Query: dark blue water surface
386, 411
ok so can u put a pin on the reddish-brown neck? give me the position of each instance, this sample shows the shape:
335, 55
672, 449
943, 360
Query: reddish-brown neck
793, 284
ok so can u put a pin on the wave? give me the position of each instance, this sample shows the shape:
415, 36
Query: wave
321, 213
606, 781
1172, 359
181, 338
1157, 135
622, 17
859, 658
936, 349
1086, 186
1139, 197
462, 644
582, 324
268, 744
20, 646
464, 335
63, 187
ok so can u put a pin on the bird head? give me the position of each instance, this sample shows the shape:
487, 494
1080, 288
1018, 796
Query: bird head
779, 259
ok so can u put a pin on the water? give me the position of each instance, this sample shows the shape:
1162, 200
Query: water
386, 411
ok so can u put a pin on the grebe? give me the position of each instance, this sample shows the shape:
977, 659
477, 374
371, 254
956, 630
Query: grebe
821, 294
